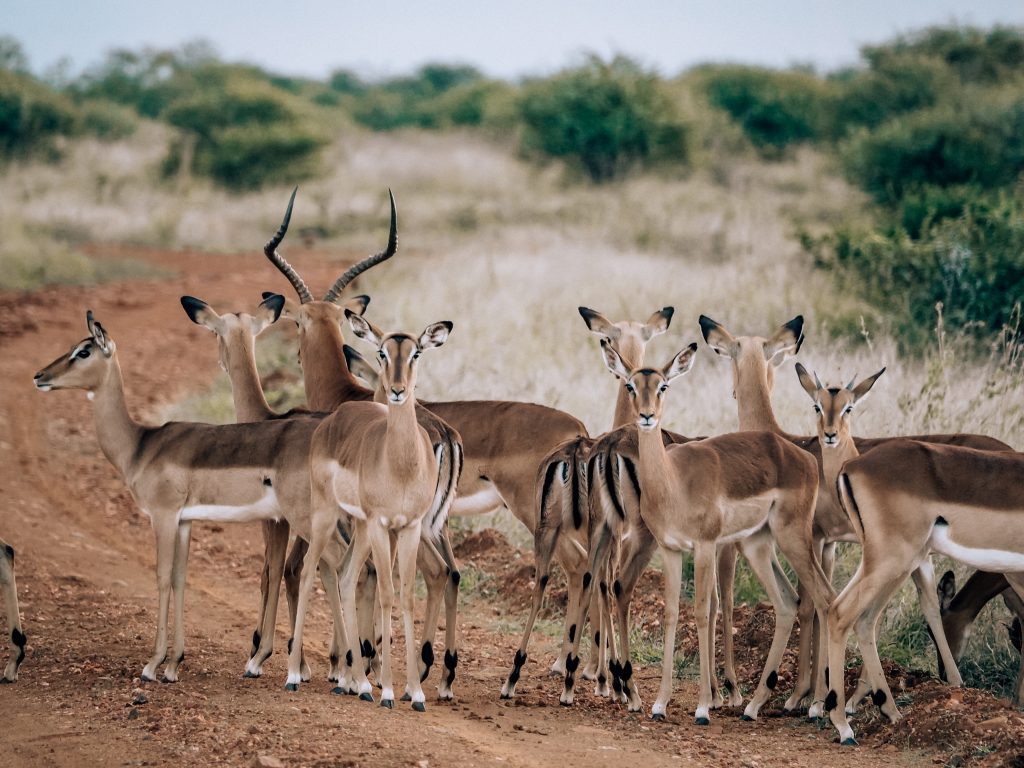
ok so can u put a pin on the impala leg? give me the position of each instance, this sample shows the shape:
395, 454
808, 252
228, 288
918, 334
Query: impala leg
368, 619
355, 559
841, 618
924, 580
292, 581
435, 576
17, 635
339, 641
577, 608
634, 556
600, 619
810, 637
322, 530
593, 668
1015, 603
545, 540
178, 573
408, 545
673, 568
275, 535
451, 607
380, 549
758, 549
165, 530
727, 586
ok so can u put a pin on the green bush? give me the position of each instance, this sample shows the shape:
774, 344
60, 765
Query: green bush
436, 96
607, 117
775, 109
973, 263
245, 132
32, 116
107, 120
979, 140
975, 55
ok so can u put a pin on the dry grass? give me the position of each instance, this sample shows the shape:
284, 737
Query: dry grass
508, 251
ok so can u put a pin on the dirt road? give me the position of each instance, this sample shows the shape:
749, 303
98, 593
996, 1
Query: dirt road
86, 577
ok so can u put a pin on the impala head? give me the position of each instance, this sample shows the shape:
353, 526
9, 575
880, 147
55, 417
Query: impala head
647, 386
628, 338
85, 366
325, 316
234, 330
398, 354
834, 405
754, 356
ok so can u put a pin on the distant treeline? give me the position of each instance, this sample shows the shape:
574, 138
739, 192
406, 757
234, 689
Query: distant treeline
930, 125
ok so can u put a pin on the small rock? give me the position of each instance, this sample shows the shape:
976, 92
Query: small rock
266, 761
133, 713
140, 698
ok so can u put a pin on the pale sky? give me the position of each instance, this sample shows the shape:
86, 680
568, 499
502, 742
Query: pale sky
504, 39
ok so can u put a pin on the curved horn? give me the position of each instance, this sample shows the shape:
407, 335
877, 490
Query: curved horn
270, 249
817, 381
852, 382
370, 261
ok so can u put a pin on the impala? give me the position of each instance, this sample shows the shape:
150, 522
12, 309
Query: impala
504, 442
375, 466
17, 634
905, 500
183, 471
753, 489
754, 361
564, 528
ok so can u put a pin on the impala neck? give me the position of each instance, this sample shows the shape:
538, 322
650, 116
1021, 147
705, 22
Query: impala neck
328, 381
117, 432
653, 469
832, 461
753, 398
250, 402
401, 447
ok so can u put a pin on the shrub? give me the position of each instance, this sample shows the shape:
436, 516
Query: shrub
107, 120
973, 263
775, 109
32, 116
975, 55
979, 140
428, 99
607, 117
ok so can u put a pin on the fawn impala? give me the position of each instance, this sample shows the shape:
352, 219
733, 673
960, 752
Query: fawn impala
753, 489
755, 360
17, 634
905, 500
376, 466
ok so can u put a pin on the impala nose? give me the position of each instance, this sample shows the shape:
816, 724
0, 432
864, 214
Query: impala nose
397, 395
646, 421
831, 438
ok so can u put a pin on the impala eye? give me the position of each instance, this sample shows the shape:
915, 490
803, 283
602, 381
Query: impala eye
631, 389
381, 355
817, 408
416, 355
83, 353
848, 410
663, 389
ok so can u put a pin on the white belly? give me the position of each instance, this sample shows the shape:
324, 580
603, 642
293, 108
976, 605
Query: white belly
266, 508
479, 503
998, 560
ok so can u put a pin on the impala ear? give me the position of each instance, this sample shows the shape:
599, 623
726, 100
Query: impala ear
810, 386
786, 341
289, 309
268, 312
716, 337
861, 390
360, 367
613, 361
98, 334
435, 334
658, 323
199, 312
364, 329
357, 304
681, 363
598, 323
946, 589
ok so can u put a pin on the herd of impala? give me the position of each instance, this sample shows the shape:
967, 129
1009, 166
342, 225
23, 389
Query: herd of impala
369, 474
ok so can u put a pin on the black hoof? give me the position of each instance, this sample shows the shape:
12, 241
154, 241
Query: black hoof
702, 721
167, 681
249, 675
658, 718
506, 696
292, 687
406, 697
850, 742
419, 706
339, 691
5, 681
746, 718
387, 703
565, 703
147, 679
365, 697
